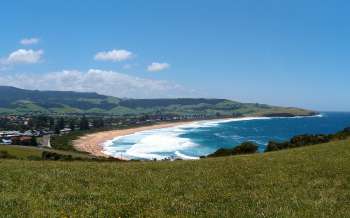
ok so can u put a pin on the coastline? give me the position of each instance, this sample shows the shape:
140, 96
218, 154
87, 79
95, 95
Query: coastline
93, 143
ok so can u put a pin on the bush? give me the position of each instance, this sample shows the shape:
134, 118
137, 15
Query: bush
275, 146
298, 141
5, 155
32, 157
306, 140
347, 130
341, 135
46, 155
244, 148
221, 152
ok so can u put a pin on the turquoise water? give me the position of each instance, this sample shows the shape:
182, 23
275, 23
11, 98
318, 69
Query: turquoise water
204, 137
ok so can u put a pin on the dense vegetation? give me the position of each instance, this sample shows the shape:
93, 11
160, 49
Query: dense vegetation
305, 140
311, 181
244, 148
59, 156
22, 102
6, 155
35, 153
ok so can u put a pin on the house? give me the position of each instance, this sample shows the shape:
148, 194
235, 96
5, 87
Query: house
22, 140
6, 141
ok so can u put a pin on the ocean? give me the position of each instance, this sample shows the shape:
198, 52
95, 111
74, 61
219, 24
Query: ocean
190, 141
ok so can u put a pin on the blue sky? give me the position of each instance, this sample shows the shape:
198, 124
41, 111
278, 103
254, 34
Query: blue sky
291, 53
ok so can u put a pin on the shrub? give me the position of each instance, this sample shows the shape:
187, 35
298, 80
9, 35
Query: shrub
5, 154
32, 157
221, 152
305, 140
275, 146
47, 155
244, 148
341, 135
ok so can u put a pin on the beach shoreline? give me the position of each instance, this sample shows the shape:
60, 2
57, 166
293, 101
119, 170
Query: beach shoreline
93, 143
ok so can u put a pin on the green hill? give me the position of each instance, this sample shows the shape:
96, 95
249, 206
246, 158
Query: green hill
311, 181
20, 101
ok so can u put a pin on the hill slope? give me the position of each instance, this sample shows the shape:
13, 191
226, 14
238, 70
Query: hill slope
20, 101
306, 182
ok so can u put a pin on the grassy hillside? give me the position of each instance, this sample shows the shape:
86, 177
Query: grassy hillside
305, 182
26, 152
20, 101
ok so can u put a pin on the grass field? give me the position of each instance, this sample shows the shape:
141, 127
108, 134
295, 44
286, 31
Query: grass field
25, 152
312, 181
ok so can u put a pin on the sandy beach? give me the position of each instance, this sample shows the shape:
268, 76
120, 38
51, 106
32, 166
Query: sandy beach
92, 143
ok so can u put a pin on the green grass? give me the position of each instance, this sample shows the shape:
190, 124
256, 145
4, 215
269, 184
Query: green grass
312, 181
23, 152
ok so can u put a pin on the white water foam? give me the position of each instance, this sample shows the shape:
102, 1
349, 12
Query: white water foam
185, 157
149, 144
163, 142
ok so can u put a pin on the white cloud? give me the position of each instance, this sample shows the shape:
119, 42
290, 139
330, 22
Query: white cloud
155, 67
94, 80
113, 55
23, 56
29, 41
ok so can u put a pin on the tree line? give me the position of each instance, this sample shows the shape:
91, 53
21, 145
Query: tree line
51, 123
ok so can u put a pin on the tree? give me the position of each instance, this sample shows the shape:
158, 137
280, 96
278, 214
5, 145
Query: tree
33, 141
57, 129
245, 148
61, 123
41, 122
3, 123
72, 125
98, 123
51, 123
84, 123
221, 152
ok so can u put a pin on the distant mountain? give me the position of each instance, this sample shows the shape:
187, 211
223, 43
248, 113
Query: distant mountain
20, 101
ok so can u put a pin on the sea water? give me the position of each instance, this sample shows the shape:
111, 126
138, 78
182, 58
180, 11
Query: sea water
192, 140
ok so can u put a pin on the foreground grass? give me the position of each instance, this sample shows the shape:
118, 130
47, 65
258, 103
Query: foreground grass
27, 152
305, 182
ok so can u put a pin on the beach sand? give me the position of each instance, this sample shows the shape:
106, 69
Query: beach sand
92, 143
